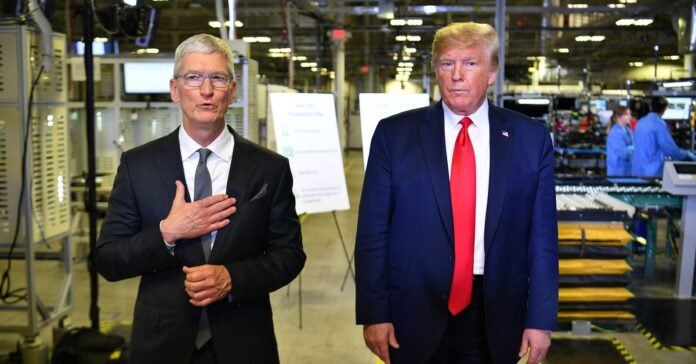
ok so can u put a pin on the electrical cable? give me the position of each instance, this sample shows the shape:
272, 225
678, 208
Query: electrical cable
7, 295
99, 23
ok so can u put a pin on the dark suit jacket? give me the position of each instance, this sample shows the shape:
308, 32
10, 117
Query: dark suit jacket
404, 245
261, 248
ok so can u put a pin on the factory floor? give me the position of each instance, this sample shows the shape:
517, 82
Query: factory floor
315, 320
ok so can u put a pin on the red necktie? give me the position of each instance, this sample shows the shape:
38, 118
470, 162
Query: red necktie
463, 192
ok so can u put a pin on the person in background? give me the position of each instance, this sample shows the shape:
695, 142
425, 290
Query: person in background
619, 143
456, 254
207, 220
653, 143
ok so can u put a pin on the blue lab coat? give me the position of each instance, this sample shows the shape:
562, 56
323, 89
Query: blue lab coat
653, 142
619, 151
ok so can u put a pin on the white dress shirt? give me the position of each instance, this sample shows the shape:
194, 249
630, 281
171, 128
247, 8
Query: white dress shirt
218, 163
479, 134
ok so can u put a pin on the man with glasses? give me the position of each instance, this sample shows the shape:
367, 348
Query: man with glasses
207, 220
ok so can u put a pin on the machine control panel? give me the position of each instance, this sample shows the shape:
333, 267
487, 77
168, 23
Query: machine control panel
679, 178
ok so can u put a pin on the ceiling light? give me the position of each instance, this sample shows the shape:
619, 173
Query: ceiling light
628, 1
589, 38
216, 24
410, 50
616, 6
147, 51
561, 50
401, 77
635, 64
577, 6
640, 22
256, 39
405, 64
279, 50
430, 9
406, 58
299, 58
397, 22
308, 64
672, 58
400, 38
413, 38
533, 101
101, 39
314, 69
678, 84
414, 22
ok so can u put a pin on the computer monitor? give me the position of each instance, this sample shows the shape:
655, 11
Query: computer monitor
679, 108
98, 48
533, 110
597, 105
147, 77
565, 103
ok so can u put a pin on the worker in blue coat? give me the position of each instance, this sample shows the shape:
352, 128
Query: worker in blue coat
653, 142
619, 143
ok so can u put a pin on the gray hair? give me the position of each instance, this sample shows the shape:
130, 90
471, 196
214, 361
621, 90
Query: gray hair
206, 44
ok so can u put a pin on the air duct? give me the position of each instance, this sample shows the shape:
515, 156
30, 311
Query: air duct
46, 33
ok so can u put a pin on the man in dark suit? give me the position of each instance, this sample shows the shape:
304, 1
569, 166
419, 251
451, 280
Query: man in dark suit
207, 264
456, 249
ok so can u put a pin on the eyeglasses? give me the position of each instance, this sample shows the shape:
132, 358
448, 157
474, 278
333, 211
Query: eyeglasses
196, 79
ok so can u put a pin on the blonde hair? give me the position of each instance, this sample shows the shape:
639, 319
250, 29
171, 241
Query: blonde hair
206, 44
465, 35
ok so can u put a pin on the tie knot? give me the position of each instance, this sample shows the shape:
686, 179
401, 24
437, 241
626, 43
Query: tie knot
466, 121
203, 153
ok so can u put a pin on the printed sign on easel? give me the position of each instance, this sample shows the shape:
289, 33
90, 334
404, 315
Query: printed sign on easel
306, 132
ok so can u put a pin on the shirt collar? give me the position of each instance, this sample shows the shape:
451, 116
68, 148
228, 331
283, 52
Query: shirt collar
479, 116
222, 145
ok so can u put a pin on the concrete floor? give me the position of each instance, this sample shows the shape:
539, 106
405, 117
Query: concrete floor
328, 333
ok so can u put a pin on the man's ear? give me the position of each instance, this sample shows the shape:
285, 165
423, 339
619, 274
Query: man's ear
173, 91
233, 92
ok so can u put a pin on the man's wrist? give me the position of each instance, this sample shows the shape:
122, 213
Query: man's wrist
169, 243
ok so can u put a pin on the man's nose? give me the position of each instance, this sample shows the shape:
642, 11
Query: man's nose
207, 86
457, 72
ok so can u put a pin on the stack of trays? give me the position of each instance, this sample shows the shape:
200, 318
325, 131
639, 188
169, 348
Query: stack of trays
594, 273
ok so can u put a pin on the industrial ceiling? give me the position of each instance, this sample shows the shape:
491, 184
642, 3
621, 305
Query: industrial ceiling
535, 28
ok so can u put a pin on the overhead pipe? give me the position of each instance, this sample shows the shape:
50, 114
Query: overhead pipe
220, 14
232, 11
46, 34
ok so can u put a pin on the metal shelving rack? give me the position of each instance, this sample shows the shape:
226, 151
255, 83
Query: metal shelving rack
45, 207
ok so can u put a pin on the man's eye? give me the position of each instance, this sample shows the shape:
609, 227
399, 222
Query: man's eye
220, 78
193, 76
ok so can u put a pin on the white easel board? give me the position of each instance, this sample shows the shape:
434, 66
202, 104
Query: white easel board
375, 107
306, 132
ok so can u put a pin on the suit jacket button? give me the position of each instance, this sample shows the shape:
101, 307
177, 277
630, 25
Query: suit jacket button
451, 257
444, 297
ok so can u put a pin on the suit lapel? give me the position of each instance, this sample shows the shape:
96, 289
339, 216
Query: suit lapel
241, 170
432, 137
502, 136
169, 165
